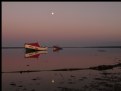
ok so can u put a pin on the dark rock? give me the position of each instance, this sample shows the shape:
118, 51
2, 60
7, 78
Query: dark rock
20, 86
34, 79
13, 84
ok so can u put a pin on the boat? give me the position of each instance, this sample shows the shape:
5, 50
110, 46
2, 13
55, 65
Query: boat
34, 47
57, 48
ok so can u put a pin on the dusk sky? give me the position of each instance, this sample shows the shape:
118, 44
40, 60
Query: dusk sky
71, 24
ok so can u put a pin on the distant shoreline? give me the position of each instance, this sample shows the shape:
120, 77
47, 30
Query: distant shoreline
76, 47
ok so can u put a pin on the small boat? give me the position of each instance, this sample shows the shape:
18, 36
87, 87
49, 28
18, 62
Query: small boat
57, 48
34, 47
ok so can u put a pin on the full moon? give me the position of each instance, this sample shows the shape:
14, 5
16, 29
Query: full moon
52, 13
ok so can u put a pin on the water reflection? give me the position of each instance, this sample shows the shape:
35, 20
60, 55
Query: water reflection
47, 73
34, 54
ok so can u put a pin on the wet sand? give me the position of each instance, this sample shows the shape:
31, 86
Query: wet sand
99, 78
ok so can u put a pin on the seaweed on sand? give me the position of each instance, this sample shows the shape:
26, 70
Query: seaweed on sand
105, 67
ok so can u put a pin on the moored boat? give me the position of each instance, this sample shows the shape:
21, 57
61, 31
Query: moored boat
34, 47
57, 48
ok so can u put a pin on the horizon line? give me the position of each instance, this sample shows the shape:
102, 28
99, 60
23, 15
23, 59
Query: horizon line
76, 47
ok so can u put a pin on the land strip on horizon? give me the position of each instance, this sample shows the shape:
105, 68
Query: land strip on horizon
76, 47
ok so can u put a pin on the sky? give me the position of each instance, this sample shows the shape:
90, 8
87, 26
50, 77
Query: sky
72, 24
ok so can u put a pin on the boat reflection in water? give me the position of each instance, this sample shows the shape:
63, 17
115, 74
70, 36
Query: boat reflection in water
34, 54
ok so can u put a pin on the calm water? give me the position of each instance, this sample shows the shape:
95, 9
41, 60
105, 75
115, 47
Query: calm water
16, 64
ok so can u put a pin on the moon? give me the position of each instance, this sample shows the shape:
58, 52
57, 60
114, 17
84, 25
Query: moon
52, 13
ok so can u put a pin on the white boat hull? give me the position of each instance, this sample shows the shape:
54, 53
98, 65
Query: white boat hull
35, 47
